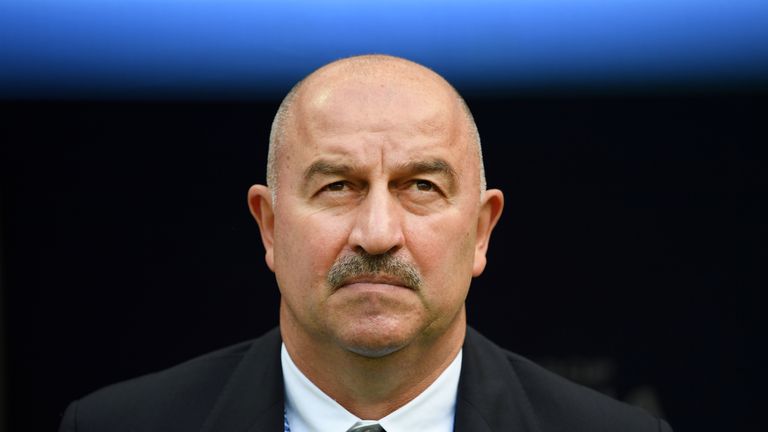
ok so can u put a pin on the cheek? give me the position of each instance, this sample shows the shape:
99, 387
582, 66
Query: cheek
305, 248
443, 248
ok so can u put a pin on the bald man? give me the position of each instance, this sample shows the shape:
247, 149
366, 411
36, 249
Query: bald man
375, 218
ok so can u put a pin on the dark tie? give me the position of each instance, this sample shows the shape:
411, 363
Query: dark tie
366, 426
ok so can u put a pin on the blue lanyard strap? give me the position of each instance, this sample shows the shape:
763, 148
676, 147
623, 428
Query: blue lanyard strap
286, 426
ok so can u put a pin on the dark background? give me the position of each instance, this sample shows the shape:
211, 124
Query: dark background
630, 255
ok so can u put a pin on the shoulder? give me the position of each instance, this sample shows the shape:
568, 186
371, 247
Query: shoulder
178, 398
555, 403
558, 401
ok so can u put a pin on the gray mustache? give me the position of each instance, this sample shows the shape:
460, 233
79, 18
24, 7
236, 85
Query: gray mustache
365, 264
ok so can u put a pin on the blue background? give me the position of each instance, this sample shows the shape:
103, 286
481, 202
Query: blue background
255, 49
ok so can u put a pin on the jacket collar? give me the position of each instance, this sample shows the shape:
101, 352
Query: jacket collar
253, 398
490, 398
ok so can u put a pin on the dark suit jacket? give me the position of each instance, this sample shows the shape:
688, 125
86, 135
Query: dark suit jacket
240, 388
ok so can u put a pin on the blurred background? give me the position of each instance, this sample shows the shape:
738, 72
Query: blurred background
629, 138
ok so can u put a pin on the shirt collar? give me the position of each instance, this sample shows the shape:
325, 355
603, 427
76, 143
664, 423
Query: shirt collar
308, 409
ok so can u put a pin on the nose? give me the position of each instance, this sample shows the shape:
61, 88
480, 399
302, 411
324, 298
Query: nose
378, 223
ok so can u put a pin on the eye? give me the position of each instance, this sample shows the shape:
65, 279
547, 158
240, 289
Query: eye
425, 185
421, 195
335, 186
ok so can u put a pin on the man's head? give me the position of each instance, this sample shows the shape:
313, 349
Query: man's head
373, 225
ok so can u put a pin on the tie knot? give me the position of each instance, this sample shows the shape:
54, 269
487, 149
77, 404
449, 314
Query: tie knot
366, 426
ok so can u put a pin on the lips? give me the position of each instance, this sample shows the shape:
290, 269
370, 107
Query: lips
376, 280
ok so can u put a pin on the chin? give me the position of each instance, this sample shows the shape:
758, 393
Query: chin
376, 340
373, 351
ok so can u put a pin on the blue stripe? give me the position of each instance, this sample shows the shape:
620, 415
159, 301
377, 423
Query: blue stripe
263, 47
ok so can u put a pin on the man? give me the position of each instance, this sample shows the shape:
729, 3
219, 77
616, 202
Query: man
375, 219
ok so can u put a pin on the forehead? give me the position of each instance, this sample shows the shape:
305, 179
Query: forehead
383, 105
409, 112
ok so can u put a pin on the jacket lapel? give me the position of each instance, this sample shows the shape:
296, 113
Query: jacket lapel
253, 398
491, 397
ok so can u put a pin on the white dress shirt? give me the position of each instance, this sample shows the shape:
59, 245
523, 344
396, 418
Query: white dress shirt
308, 409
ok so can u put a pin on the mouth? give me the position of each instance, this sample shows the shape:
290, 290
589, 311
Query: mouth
375, 280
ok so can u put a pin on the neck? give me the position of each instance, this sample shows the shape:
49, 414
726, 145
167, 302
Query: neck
371, 388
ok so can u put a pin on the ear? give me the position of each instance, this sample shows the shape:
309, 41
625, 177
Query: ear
260, 203
490, 210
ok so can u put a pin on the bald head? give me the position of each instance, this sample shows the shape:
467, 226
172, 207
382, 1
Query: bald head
376, 157
371, 71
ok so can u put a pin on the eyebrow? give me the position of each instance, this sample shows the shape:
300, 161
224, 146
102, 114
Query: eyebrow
432, 166
324, 167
